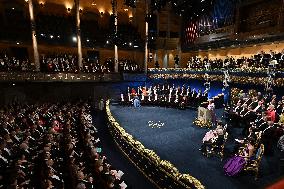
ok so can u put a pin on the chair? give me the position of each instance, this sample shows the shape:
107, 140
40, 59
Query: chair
253, 165
218, 149
225, 128
258, 138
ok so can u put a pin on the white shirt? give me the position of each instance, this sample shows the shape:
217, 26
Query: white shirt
211, 106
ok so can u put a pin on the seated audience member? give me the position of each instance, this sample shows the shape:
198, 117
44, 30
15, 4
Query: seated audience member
136, 102
280, 126
280, 144
212, 137
236, 164
271, 114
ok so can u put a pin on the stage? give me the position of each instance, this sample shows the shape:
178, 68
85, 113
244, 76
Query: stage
171, 134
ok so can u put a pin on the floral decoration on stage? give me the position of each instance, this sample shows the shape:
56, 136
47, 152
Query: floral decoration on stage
158, 124
202, 123
163, 165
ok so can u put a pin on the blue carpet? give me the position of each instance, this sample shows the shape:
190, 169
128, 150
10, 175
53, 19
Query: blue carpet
179, 140
134, 179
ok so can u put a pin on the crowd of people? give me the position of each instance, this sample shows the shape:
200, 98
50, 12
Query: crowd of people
59, 63
69, 63
12, 63
128, 66
166, 95
53, 146
90, 66
261, 119
258, 61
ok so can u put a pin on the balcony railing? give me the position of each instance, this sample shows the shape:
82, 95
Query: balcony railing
57, 77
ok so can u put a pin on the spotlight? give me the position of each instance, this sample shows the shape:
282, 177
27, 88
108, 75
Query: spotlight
107, 42
51, 36
74, 39
88, 40
18, 43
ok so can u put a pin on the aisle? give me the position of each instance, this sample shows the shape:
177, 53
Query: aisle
133, 177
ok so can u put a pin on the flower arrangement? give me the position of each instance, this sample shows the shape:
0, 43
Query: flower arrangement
202, 123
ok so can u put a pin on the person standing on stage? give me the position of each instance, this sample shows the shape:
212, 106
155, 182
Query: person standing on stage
133, 92
136, 102
211, 108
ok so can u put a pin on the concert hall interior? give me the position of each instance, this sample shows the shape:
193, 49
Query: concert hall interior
141, 94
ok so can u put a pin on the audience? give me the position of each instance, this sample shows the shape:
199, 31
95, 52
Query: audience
260, 120
12, 63
53, 146
256, 62
59, 63
128, 66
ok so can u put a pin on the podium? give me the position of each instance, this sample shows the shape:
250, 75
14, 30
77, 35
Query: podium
204, 115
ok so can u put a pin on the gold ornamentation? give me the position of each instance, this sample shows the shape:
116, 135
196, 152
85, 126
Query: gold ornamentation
202, 123
234, 79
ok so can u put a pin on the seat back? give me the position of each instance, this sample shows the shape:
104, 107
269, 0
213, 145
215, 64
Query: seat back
259, 154
258, 138
225, 139
225, 128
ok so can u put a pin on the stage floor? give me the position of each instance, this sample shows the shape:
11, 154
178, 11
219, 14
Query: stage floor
178, 141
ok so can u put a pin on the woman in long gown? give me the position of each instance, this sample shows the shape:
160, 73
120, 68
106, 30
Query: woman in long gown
236, 164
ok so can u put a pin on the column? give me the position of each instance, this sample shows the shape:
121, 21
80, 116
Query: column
237, 19
79, 42
156, 56
179, 53
146, 38
165, 59
114, 10
34, 39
